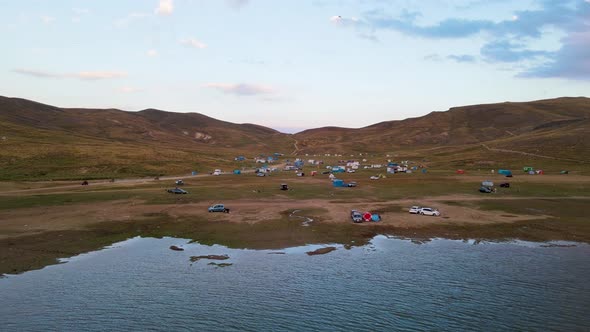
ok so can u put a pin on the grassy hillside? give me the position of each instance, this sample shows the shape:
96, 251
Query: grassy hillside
41, 142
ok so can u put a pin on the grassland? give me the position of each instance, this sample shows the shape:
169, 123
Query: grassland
43, 221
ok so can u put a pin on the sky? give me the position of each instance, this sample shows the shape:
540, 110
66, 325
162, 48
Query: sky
294, 64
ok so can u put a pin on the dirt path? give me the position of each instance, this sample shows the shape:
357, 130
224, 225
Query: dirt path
530, 154
27, 221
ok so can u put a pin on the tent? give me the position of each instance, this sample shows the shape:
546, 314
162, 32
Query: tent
367, 216
564, 172
375, 217
338, 183
237, 171
504, 172
460, 171
194, 173
424, 170
527, 169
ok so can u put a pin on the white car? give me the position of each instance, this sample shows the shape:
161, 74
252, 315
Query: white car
415, 209
429, 212
374, 177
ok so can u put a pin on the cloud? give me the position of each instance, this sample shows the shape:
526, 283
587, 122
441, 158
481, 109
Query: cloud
345, 21
165, 7
128, 89
461, 58
506, 51
571, 61
47, 19
81, 11
152, 53
509, 40
84, 75
37, 73
191, 42
125, 21
237, 3
241, 89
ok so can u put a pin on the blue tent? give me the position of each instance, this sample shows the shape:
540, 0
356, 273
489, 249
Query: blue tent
504, 172
237, 171
194, 173
338, 183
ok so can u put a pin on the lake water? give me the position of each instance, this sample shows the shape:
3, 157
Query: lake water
390, 284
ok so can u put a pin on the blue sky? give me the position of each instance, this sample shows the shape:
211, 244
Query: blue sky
294, 64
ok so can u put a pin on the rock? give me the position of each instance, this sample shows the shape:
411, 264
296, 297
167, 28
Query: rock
176, 248
214, 257
321, 251
220, 264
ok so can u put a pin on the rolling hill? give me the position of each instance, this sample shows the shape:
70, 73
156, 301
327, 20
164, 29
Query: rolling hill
45, 142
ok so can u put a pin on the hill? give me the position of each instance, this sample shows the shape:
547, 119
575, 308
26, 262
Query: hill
43, 141
557, 127
40, 141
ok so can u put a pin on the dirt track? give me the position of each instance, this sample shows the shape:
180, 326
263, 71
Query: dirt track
75, 217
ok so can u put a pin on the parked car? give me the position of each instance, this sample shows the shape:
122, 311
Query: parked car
350, 170
429, 212
326, 172
218, 208
375, 177
356, 216
505, 185
179, 182
85, 183
284, 186
260, 174
486, 190
415, 209
177, 191
351, 184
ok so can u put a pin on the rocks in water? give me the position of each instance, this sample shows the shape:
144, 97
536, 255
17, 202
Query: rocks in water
176, 248
220, 264
321, 251
213, 257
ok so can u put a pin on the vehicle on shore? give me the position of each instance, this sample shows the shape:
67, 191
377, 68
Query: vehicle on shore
218, 208
485, 190
177, 191
505, 185
351, 184
356, 216
415, 209
425, 211
179, 182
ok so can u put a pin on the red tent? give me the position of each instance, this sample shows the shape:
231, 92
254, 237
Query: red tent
460, 171
367, 216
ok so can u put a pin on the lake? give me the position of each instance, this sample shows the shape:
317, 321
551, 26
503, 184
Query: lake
389, 284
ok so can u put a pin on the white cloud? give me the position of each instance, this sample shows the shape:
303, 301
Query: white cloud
84, 75
81, 11
191, 42
98, 75
237, 3
123, 22
344, 20
152, 53
165, 7
128, 89
241, 89
47, 19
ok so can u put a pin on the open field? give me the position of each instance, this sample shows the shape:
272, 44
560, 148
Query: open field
43, 221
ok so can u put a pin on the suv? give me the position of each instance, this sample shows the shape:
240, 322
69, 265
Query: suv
429, 212
177, 191
415, 209
486, 190
218, 208
356, 216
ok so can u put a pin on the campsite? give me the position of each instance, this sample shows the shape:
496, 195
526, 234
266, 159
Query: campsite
544, 207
